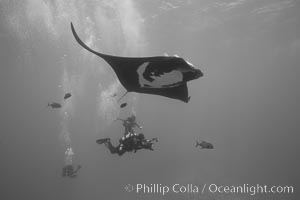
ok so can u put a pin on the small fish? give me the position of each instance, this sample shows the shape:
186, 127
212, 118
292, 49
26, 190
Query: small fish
123, 105
67, 95
54, 105
204, 145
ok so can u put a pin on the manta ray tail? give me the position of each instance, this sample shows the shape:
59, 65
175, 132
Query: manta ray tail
84, 45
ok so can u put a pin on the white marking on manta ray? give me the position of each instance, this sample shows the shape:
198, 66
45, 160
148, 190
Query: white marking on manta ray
169, 79
191, 64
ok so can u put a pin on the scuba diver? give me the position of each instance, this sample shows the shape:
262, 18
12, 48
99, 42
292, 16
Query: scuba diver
143, 143
133, 143
204, 145
69, 171
130, 137
129, 124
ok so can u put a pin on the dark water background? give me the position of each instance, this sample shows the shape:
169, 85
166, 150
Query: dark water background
247, 103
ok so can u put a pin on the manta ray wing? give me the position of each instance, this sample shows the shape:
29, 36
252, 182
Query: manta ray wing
158, 75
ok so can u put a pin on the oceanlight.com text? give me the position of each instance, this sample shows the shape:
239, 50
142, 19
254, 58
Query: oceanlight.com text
250, 189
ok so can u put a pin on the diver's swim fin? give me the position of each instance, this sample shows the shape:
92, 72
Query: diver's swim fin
101, 141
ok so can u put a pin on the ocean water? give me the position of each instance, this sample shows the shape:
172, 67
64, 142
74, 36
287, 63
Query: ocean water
246, 104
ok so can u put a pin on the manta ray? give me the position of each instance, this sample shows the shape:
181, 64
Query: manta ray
159, 75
